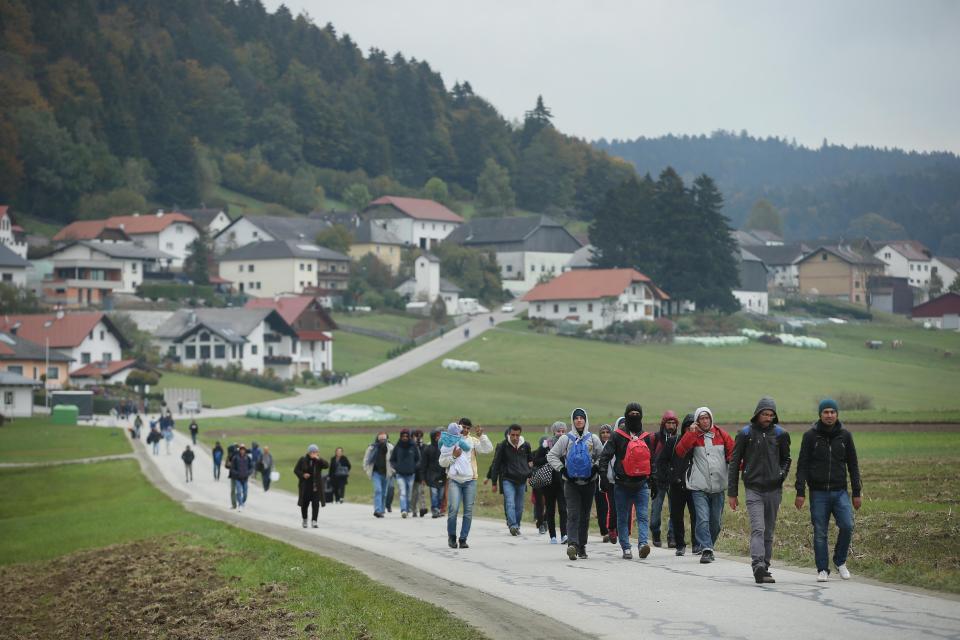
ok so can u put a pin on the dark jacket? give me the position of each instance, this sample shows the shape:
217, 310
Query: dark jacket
187, 457
154, 436
511, 463
825, 457
310, 488
540, 459
405, 458
764, 455
217, 455
241, 466
340, 468
431, 471
194, 427
616, 450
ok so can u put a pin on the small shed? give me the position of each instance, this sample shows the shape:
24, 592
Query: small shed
16, 395
65, 414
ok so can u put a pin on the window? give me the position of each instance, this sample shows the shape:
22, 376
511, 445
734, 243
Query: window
301, 284
170, 246
204, 336
589, 307
303, 267
252, 286
91, 333
572, 308
258, 285
8, 397
543, 268
53, 373
241, 287
253, 349
250, 268
633, 290
634, 307
133, 267
556, 308
256, 234
533, 268
509, 268
204, 352
887, 255
107, 357
538, 308
857, 298
823, 256
85, 358
241, 268
856, 284
15, 368
233, 351
926, 267
172, 351
178, 227
8, 277
103, 335
626, 307
191, 352
310, 266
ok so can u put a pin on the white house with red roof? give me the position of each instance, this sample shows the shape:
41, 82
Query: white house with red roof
171, 233
89, 338
12, 236
597, 297
415, 221
314, 327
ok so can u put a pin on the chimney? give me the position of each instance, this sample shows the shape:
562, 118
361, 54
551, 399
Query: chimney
59, 313
159, 213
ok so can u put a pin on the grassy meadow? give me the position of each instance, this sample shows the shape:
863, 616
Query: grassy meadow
353, 353
217, 393
37, 440
397, 324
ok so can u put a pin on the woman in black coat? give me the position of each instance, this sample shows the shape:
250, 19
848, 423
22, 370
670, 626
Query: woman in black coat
309, 470
339, 471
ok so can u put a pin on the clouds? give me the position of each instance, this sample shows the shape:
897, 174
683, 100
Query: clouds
879, 73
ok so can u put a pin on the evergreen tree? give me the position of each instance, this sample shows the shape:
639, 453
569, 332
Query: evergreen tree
717, 251
535, 121
495, 197
197, 263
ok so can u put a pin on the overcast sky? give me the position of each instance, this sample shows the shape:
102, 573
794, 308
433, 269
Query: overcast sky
869, 72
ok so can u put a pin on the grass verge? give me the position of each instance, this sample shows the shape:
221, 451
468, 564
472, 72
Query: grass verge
37, 440
218, 393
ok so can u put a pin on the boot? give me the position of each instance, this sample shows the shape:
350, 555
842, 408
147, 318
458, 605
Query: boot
671, 541
656, 539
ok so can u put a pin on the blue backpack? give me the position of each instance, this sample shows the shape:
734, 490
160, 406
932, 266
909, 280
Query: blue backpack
579, 462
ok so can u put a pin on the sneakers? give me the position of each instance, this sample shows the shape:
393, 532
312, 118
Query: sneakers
436, 514
240, 508
582, 553
697, 549
844, 572
452, 542
707, 556
463, 544
423, 512
680, 551
404, 514
627, 554
377, 514
542, 529
762, 576
314, 524
823, 576
389, 510
644, 550
563, 539
304, 523
553, 540
514, 531
572, 551
656, 541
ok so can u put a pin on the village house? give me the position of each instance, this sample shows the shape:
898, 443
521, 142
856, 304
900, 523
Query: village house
87, 337
212, 221
839, 272
32, 360
372, 238
751, 292
12, 236
16, 395
313, 325
253, 339
268, 269
596, 297
426, 286
13, 268
528, 248
910, 259
943, 312
781, 260
415, 221
90, 259
249, 229
171, 233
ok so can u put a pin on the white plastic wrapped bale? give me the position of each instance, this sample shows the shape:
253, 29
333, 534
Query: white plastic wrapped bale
804, 342
343, 413
460, 365
712, 341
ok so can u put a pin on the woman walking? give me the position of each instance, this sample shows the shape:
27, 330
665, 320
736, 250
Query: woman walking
309, 471
266, 467
339, 471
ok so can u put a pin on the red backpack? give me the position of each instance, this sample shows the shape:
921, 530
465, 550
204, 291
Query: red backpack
636, 461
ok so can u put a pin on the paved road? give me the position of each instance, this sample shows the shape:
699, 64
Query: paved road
604, 596
383, 372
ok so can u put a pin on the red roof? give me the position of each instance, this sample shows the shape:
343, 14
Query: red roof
948, 303
102, 369
64, 333
132, 225
590, 284
418, 208
289, 307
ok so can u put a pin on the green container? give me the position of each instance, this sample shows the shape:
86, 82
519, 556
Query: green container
65, 414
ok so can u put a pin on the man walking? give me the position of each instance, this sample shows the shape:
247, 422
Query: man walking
458, 456
630, 452
194, 430
266, 468
762, 449
826, 456
217, 460
187, 457
575, 456
241, 468
418, 497
711, 448
434, 475
660, 479
405, 458
510, 470
376, 464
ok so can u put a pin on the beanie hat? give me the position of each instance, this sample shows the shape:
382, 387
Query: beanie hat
454, 429
828, 403
404, 432
313, 449
579, 413
604, 427
633, 406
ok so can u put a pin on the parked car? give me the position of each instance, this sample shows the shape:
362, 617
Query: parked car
507, 308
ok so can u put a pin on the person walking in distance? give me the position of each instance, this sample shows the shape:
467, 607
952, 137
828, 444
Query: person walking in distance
194, 430
629, 448
418, 497
678, 494
187, 457
241, 468
827, 454
266, 468
711, 448
153, 439
603, 496
309, 472
433, 474
405, 459
231, 452
137, 426
339, 471
660, 480
376, 464
458, 449
575, 456
217, 460
509, 470
554, 503
762, 450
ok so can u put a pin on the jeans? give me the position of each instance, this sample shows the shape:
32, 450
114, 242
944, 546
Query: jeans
822, 504
265, 477
241, 491
216, 470
460, 493
156, 448
513, 496
193, 436
406, 486
436, 496
709, 510
762, 507
579, 503
625, 499
188, 467
379, 491
656, 512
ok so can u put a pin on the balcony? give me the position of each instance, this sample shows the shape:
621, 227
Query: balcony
277, 360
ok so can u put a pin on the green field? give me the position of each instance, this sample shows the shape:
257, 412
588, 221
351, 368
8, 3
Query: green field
353, 353
535, 379
111, 502
217, 393
396, 324
36, 440
244, 205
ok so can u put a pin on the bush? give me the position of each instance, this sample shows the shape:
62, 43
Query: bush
400, 350
829, 308
852, 401
233, 373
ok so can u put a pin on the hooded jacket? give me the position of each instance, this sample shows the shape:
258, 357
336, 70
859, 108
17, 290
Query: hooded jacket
662, 440
310, 488
511, 462
826, 454
711, 451
369, 458
616, 449
762, 453
434, 475
217, 455
557, 456
405, 457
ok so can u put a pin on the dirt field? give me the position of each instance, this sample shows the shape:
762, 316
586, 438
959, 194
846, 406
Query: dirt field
158, 588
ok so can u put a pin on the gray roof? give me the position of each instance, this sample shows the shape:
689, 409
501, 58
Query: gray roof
953, 263
203, 217
518, 233
752, 272
779, 255
371, 233
287, 228
27, 350
8, 379
231, 324
449, 287
431, 258
9, 259
582, 258
279, 249
756, 238
125, 250
846, 253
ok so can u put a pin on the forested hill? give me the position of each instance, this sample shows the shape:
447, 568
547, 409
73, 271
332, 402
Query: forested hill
109, 105
826, 191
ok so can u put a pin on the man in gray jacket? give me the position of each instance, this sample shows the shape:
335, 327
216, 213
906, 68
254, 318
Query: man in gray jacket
575, 456
763, 449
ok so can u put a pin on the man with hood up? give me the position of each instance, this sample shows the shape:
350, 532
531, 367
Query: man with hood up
706, 477
826, 455
630, 450
575, 456
762, 449
433, 474
660, 480
510, 469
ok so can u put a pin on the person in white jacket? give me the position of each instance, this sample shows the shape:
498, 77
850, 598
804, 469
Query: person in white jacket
457, 452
